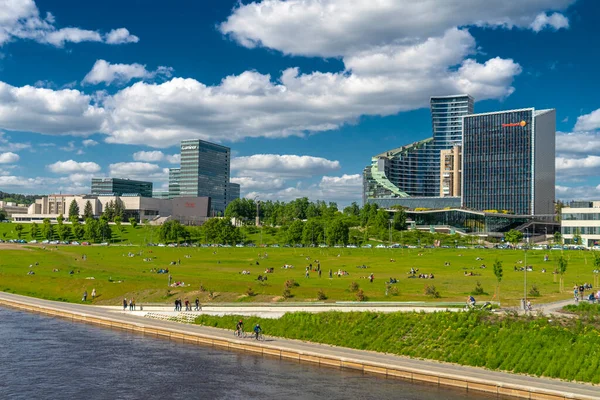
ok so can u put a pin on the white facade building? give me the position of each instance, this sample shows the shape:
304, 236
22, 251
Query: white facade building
581, 219
187, 210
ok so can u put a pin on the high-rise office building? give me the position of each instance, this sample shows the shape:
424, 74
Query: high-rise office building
508, 161
450, 172
174, 174
233, 192
121, 187
414, 170
205, 172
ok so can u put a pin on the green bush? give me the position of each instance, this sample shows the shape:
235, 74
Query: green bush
287, 293
291, 284
394, 291
353, 287
534, 291
250, 292
360, 295
431, 291
321, 295
478, 289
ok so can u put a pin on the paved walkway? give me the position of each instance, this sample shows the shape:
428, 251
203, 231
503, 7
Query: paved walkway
533, 384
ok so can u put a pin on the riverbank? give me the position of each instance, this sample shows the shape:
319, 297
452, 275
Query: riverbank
472, 379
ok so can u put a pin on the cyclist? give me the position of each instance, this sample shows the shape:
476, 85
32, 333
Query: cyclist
470, 302
239, 328
257, 330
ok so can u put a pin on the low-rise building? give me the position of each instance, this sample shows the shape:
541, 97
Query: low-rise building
120, 186
580, 223
187, 210
12, 208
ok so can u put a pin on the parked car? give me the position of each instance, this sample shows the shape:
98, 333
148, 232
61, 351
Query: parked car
33, 241
75, 243
85, 243
366, 246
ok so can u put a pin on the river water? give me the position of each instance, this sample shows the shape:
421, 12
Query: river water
48, 358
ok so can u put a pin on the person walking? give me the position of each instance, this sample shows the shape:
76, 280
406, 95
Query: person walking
124, 304
330, 274
198, 308
84, 298
176, 305
130, 305
93, 294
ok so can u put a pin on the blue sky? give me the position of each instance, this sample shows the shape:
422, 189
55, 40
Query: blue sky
303, 91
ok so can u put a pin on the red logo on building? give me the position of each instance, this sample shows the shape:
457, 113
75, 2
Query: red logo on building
190, 205
522, 123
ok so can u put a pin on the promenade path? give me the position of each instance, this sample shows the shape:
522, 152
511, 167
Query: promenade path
368, 362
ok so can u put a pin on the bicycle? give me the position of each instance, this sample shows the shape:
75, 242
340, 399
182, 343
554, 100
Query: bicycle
239, 333
259, 336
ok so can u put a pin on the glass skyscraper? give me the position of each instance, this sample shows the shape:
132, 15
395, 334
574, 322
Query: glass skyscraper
508, 161
174, 174
414, 170
205, 172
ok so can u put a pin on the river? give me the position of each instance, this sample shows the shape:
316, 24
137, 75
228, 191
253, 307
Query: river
48, 358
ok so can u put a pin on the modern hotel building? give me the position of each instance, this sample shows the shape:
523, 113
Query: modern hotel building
120, 187
414, 170
508, 161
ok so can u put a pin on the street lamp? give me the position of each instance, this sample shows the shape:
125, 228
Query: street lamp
525, 275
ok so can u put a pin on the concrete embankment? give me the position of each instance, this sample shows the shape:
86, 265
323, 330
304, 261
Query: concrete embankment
467, 378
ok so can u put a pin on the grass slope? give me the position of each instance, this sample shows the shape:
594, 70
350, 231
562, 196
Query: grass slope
565, 349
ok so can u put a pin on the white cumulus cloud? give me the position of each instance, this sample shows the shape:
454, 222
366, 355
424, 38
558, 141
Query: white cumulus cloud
554, 21
156, 156
120, 36
89, 143
588, 122
332, 28
138, 170
283, 165
105, 72
9, 158
20, 19
72, 167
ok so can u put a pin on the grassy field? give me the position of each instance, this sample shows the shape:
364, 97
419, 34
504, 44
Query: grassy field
218, 270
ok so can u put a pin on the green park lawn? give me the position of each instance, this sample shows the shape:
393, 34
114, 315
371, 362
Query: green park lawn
217, 270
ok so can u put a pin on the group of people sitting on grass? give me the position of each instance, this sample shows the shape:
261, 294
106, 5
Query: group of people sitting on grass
245, 272
529, 268
287, 266
341, 273
159, 270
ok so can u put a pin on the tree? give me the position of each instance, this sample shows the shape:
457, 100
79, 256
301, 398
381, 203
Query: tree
88, 212
221, 231
92, 231
562, 268
104, 231
109, 211
78, 230
513, 236
498, 274
119, 209
118, 221
171, 231
337, 232
19, 229
352, 210
63, 231
133, 222
596, 268
33, 231
557, 237
47, 230
73, 211
577, 237
313, 232
399, 222
60, 219
3, 215
294, 232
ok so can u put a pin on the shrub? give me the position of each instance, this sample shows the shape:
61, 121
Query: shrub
534, 291
353, 287
430, 290
478, 289
202, 288
211, 295
287, 293
321, 295
250, 292
290, 283
394, 291
360, 295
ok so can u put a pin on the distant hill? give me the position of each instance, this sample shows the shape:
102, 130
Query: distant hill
18, 198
